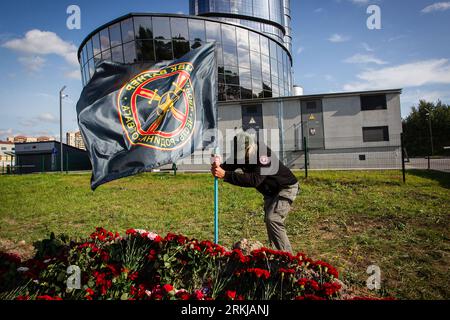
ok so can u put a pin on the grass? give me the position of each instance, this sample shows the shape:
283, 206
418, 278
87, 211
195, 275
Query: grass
350, 219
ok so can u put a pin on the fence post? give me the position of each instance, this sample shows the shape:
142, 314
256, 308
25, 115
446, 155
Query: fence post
305, 146
67, 162
403, 158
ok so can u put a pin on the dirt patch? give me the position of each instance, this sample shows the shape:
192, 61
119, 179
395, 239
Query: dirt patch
24, 250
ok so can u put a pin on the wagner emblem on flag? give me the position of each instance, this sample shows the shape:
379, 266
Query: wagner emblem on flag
154, 119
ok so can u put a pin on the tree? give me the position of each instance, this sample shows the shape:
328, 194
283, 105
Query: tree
417, 133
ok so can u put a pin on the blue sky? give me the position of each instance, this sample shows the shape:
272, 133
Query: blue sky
333, 51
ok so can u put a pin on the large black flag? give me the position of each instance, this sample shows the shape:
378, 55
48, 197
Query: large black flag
139, 117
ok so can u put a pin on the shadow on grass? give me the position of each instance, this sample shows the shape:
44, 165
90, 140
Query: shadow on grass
442, 177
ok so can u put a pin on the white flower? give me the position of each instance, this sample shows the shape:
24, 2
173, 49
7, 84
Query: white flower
22, 269
152, 236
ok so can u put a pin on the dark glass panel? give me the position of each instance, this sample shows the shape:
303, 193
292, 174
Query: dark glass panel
163, 50
197, 30
222, 96
104, 39
228, 35
143, 27
196, 44
145, 50
115, 34
127, 30
213, 32
117, 54
242, 39
231, 75
96, 44
91, 68
179, 28
221, 78
268, 94
180, 48
161, 28
129, 52
232, 93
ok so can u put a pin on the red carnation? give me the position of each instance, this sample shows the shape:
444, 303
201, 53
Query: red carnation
168, 288
231, 295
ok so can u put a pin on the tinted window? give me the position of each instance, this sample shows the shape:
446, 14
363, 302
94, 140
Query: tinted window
179, 28
143, 27
127, 30
197, 30
115, 35
104, 39
375, 134
254, 42
244, 58
89, 49
161, 28
242, 38
129, 52
375, 102
213, 32
163, 50
96, 44
228, 35
229, 55
180, 48
117, 54
145, 50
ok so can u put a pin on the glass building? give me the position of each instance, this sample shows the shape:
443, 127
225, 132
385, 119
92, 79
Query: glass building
254, 59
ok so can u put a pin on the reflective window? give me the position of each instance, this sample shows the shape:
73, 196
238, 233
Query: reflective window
232, 93
257, 88
163, 50
255, 59
228, 35
84, 55
229, 56
106, 55
213, 32
261, 8
127, 30
265, 46
129, 52
97, 59
222, 5
254, 42
104, 39
115, 35
161, 28
145, 50
242, 38
219, 55
117, 54
273, 50
91, 68
89, 49
231, 75
196, 44
197, 30
243, 7
244, 58
179, 28
143, 27
265, 64
180, 48
96, 44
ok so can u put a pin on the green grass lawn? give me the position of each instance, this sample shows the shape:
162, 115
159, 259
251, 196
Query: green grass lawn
350, 219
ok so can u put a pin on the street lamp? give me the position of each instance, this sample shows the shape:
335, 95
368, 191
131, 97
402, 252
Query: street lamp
431, 137
61, 97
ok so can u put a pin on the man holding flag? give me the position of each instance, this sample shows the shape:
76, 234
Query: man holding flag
268, 175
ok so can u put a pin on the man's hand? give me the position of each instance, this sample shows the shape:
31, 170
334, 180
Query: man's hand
216, 170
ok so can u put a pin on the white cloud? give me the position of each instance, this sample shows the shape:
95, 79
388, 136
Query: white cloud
6, 132
45, 117
414, 96
32, 63
364, 59
438, 6
300, 50
42, 43
75, 74
338, 38
436, 71
318, 10
367, 47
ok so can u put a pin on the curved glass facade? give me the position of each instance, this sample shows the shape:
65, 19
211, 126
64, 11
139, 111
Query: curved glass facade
251, 64
272, 17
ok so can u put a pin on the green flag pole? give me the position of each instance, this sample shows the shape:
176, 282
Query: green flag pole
216, 202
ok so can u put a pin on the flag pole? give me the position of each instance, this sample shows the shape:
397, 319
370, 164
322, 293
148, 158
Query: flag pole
216, 201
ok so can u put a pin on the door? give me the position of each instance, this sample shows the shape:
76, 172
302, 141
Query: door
312, 119
252, 117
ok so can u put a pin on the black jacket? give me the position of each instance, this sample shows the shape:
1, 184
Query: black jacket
267, 182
